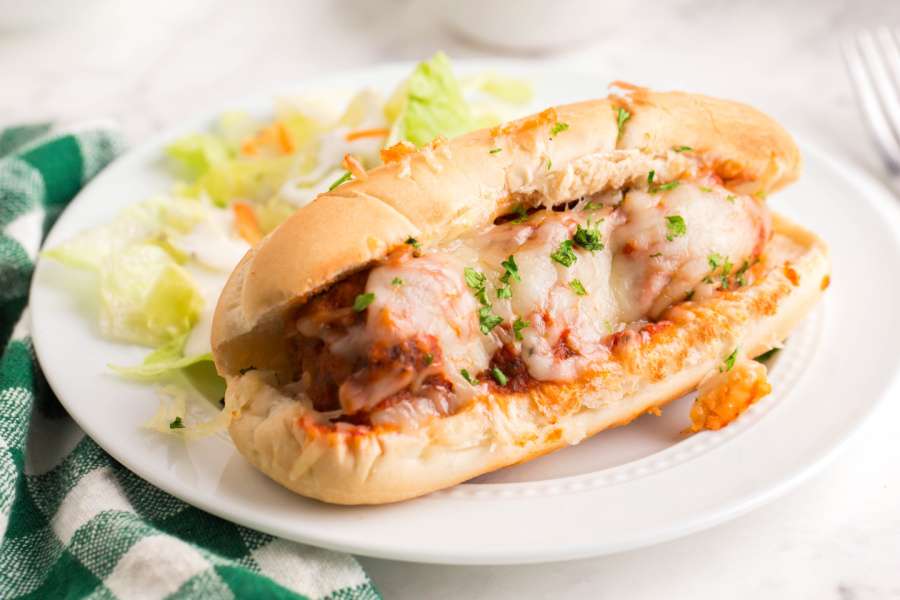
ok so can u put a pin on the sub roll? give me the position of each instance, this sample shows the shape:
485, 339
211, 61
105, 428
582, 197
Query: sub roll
488, 299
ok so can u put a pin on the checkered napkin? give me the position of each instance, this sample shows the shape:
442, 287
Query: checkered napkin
73, 522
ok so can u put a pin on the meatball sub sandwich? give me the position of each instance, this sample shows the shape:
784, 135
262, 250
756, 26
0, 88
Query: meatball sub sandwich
485, 300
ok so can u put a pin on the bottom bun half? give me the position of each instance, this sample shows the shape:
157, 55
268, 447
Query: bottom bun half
285, 439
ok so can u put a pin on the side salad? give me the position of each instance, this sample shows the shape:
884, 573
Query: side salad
160, 264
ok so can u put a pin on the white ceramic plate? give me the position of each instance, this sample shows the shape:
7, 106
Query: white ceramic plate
625, 488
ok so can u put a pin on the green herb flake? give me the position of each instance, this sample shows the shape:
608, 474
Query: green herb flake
413, 242
731, 198
429, 358
715, 260
729, 361
767, 355
521, 213
549, 164
656, 255
510, 269
176, 424
396, 281
559, 127
499, 376
487, 320
650, 177
622, 117
474, 279
676, 227
593, 205
667, 186
495, 150
689, 296
468, 377
504, 292
682, 149
703, 188
362, 301
518, 326
564, 255
578, 287
588, 238
343, 179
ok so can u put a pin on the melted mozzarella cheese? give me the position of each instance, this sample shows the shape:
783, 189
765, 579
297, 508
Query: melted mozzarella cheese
644, 267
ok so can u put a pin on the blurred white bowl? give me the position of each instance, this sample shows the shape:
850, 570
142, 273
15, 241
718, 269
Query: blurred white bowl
527, 25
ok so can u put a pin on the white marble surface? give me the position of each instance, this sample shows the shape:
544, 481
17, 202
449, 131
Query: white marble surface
149, 65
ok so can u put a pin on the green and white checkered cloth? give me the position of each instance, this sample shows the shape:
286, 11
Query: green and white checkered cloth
74, 523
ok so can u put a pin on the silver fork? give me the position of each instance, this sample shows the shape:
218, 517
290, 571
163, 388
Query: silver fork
873, 61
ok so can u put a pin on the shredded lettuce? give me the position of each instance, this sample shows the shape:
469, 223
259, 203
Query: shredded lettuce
508, 89
146, 297
196, 154
429, 103
164, 361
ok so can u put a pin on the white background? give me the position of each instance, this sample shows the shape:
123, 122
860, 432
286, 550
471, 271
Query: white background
152, 64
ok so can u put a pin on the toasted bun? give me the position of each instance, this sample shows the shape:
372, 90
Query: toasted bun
446, 189
452, 187
496, 430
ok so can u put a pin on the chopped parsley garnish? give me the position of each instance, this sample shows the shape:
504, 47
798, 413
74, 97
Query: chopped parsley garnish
521, 213
343, 179
682, 149
767, 355
715, 260
622, 117
499, 376
396, 281
578, 287
703, 188
593, 205
558, 128
487, 320
413, 242
676, 227
549, 164
730, 198
176, 424
504, 292
510, 269
588, 238
429, 358
474, 279
518, 326
362, 301
656, 254
477, 281
653, 187
564, 255
729, 361
495, 150
468, 377
739, 274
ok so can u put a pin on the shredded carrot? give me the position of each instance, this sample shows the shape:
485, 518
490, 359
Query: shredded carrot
396, 152
284, 138
246, 224
365, 133
352, 164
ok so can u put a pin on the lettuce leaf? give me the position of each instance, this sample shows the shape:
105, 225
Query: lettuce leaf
196, 154
428, 104
164, 361
146, 297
